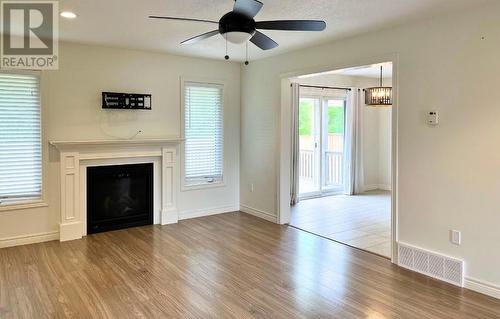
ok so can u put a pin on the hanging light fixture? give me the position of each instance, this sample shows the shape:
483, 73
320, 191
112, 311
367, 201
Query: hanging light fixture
379, 95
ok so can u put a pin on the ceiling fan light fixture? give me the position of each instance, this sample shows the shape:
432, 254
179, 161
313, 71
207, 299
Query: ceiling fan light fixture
238, 26
237, 37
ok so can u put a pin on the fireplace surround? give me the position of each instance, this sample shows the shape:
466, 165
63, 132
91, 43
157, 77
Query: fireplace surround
76, 156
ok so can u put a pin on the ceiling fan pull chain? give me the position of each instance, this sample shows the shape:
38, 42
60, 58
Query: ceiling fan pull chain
246, 61
227, 56
381, 70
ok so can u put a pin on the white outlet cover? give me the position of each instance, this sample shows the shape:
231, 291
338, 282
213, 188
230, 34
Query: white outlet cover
433, 118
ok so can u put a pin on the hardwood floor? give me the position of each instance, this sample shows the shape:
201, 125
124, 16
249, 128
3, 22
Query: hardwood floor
362, 221
224, 266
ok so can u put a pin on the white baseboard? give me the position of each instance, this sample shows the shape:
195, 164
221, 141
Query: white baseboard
370, 187
259, 213
482, 287
28, 239
373, 187
187, 214
385, 187
169, 217
70, 231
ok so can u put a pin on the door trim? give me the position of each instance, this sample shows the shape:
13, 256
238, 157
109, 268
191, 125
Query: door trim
284, 140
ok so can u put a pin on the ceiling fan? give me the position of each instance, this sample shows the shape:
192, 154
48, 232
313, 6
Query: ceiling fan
239, 26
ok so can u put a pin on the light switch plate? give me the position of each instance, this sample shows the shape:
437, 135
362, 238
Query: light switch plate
456, 237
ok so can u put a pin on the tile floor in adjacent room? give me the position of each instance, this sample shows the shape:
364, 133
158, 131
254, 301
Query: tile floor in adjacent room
362, 221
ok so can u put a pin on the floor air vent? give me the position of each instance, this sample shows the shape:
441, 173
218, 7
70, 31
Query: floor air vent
431, 264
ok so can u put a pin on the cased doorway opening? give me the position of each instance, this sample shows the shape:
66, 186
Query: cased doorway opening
341, 158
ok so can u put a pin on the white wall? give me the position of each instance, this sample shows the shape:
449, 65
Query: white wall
371, 146
384, 148
376, 142
377, 122
448, 175
71, 109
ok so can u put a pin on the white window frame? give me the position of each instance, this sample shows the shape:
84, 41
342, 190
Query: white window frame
39, 202
221, 182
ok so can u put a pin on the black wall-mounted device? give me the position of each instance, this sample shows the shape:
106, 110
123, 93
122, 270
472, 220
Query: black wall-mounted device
126, 101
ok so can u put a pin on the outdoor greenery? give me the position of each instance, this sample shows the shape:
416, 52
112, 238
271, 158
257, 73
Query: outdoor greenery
335, 118
305, 117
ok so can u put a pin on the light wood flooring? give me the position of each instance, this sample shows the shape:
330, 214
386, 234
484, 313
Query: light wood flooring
362, 221
225, 266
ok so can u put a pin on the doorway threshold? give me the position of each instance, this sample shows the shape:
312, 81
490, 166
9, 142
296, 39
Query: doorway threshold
339, 242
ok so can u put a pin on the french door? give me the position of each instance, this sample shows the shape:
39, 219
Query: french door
321, 132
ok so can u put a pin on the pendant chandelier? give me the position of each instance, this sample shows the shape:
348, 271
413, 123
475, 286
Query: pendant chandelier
379, 95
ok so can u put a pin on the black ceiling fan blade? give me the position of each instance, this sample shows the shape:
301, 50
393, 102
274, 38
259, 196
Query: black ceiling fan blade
182, 19
200, 37
292, 25
263, 41
249, 8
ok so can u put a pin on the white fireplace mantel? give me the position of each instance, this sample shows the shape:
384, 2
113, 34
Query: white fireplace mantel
153, 141
74, 154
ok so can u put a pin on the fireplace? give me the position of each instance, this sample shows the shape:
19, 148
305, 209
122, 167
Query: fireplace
75, 157
119, 196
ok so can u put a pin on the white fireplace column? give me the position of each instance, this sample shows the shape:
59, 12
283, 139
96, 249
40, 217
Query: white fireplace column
73, 220
169, 176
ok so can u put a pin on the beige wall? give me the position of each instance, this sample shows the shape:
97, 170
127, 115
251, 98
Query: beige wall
443, 64
71, 108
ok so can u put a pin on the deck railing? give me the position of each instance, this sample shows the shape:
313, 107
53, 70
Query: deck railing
333, 166
306, 164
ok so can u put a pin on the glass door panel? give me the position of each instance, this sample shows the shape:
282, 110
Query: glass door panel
309, 142
332, 152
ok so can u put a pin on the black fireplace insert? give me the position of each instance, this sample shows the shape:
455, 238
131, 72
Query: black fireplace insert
119, 196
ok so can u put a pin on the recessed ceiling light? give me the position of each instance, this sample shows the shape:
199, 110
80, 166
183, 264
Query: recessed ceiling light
68, 14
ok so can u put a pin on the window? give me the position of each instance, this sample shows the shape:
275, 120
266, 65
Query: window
203, 109
20, 138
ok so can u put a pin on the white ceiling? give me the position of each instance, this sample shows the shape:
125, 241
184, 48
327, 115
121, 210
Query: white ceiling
124, 23
370, 71
366, 71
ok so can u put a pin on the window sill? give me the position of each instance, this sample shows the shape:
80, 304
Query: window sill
23, 205
186, 188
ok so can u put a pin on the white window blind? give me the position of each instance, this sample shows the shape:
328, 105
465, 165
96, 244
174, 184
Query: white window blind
203, 109
20, 138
